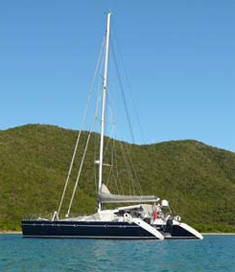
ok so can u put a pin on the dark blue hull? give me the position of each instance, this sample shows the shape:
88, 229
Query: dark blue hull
96, 230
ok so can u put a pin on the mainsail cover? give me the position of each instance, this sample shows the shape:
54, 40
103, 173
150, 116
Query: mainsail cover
106, 197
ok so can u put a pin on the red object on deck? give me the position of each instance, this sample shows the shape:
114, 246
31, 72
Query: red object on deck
154, 214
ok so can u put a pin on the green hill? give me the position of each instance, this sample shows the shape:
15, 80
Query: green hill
198, 180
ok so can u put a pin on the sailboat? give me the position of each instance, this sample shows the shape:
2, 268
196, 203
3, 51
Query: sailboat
146, 218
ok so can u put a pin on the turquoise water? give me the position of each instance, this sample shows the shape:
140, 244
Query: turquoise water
214, 253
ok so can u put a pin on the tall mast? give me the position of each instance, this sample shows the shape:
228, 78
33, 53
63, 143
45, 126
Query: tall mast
103, 107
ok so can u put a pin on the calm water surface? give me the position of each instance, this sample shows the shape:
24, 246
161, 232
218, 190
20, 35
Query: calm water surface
214, 253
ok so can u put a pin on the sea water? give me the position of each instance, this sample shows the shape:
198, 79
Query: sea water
214, 253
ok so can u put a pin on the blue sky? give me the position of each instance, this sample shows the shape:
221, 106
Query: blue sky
179, 57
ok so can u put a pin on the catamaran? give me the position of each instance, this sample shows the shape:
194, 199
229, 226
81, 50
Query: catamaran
146, 218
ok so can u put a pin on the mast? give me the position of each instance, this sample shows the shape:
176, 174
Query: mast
103, 107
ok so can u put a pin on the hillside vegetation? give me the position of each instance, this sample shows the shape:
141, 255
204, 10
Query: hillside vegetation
198, 180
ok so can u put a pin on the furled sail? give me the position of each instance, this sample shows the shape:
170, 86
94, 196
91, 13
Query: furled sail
106, 197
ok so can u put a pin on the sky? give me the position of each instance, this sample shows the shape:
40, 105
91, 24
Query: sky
179, 58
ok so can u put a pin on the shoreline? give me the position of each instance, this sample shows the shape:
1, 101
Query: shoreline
218, 233
10, 232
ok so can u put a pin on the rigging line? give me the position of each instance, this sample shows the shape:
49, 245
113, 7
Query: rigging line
127, 113
112, 122
117, 179
96, 135
129, 165
123, 94
112, 162
128, 83
131, 171
129, 158
95, 153
81, 127
83, 157
109, 142
109, 138
79, 174
117, 170
94, 161
126, 163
